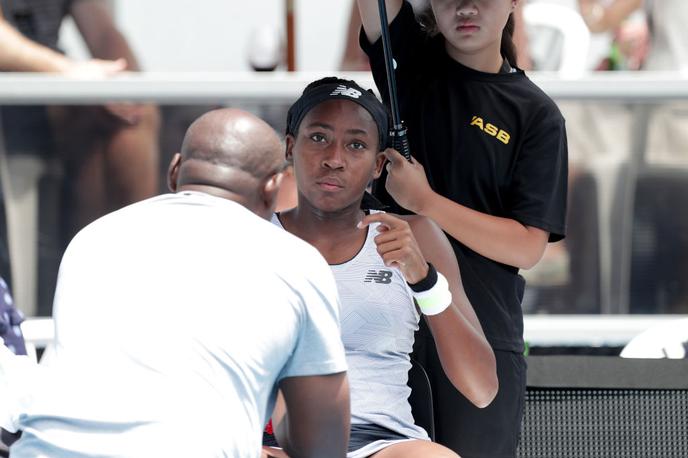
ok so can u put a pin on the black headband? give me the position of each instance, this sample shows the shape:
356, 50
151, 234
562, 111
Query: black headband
345, 90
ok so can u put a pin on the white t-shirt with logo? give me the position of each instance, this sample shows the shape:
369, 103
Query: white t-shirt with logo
175, 318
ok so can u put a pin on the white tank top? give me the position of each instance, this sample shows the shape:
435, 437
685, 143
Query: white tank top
378, 322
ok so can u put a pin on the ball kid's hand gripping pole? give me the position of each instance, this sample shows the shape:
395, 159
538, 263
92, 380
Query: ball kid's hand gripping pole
398, 132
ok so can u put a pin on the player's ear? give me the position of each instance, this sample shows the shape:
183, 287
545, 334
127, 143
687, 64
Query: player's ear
379, 163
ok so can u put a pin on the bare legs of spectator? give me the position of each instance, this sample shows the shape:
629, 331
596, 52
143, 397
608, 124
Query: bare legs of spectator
109, 162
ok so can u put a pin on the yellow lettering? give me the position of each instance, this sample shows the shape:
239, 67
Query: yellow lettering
491, 129
503, 137
477, 122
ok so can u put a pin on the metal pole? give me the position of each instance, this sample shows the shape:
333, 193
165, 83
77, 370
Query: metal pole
291, 35
398, 132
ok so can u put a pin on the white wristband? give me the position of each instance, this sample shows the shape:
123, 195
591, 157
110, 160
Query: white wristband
436, 299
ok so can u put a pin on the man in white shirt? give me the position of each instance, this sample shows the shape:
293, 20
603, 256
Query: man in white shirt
178, 317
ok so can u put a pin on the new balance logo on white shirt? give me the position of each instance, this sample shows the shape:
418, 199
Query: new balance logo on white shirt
381, 276
347, 91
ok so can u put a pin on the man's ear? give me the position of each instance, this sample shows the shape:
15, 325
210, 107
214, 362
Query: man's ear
270, 190
173, 172
379, 163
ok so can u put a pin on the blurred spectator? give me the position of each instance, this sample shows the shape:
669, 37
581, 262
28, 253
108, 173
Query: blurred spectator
11, 336
110, 152
629, 46
660, 136
10, 319
667, 20
667, 136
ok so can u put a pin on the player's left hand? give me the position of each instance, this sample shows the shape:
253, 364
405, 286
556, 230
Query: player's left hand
397, 246
406, 182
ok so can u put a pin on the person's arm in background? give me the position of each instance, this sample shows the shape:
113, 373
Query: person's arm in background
105, 41
19, 54
312, 417
600, 18
101, 35
370, 16
354, 59
410, 243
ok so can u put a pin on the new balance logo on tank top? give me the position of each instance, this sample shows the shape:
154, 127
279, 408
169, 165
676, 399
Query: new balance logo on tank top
378, 320
379, 276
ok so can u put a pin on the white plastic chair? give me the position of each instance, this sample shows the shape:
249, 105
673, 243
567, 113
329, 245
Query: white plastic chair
666, 340
39, 333
558, 37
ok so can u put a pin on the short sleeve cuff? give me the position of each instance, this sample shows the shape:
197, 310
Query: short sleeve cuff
557, 232
333, 366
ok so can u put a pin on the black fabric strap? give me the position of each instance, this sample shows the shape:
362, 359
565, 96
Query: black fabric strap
371, 202
427, 283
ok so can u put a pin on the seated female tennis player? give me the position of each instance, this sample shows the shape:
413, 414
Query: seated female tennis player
390, 270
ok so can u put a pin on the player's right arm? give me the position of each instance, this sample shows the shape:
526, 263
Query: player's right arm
370, 16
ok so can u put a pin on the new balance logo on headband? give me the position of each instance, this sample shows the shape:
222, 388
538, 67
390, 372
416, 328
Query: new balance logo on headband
347, 91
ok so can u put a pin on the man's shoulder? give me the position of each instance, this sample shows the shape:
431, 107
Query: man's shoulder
291, 248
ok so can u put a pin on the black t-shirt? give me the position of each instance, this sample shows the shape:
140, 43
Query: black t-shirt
38, 20
491, 142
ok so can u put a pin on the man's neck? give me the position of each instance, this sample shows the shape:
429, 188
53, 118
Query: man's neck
213, 191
